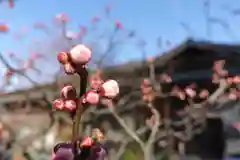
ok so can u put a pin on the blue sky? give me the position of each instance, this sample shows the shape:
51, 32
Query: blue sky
149, 18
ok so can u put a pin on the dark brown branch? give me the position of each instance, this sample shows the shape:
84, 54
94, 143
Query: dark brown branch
77, 118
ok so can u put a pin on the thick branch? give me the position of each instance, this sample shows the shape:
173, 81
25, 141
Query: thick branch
122, 148
155, 127
223, 86
125, 127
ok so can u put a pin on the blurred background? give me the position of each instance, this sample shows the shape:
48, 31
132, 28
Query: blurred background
184, 37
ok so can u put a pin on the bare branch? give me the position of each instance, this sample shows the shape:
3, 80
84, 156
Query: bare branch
155, 127
125, 127
223, 86
124, 144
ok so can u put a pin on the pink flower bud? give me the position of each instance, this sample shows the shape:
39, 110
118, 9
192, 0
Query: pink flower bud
4, 28
28, 64
204, 94
150, 59
63, 57
87, 142
11, 3
236, 79
232, 96
69, 69
190, 92
53, 156
69, 92
145, 83
70, 105
109, 89
92, 97
181, 95
9, 73
58, 104
80, 54
118, 25
165, 78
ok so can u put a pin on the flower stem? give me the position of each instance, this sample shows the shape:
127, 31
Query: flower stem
77, 118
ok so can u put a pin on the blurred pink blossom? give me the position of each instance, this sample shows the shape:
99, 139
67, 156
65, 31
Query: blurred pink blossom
110, 89
92, 97
70, 105
58, 104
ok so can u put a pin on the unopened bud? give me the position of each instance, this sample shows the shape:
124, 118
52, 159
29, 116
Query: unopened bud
70, 105
80, 54
110, 89
58, 104
63, 57
92, 97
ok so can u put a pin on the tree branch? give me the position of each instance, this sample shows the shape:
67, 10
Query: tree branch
155, 127
125, 127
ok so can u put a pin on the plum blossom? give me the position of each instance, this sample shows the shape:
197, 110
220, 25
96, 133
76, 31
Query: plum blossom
61, 104
76, 59
58, 104
150, 59
63, 57
87, 142
110, 89
118, 24
190, 92
11, 3
80, 54
92, 97
204, 93
70, 105
4, 28
165, 78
